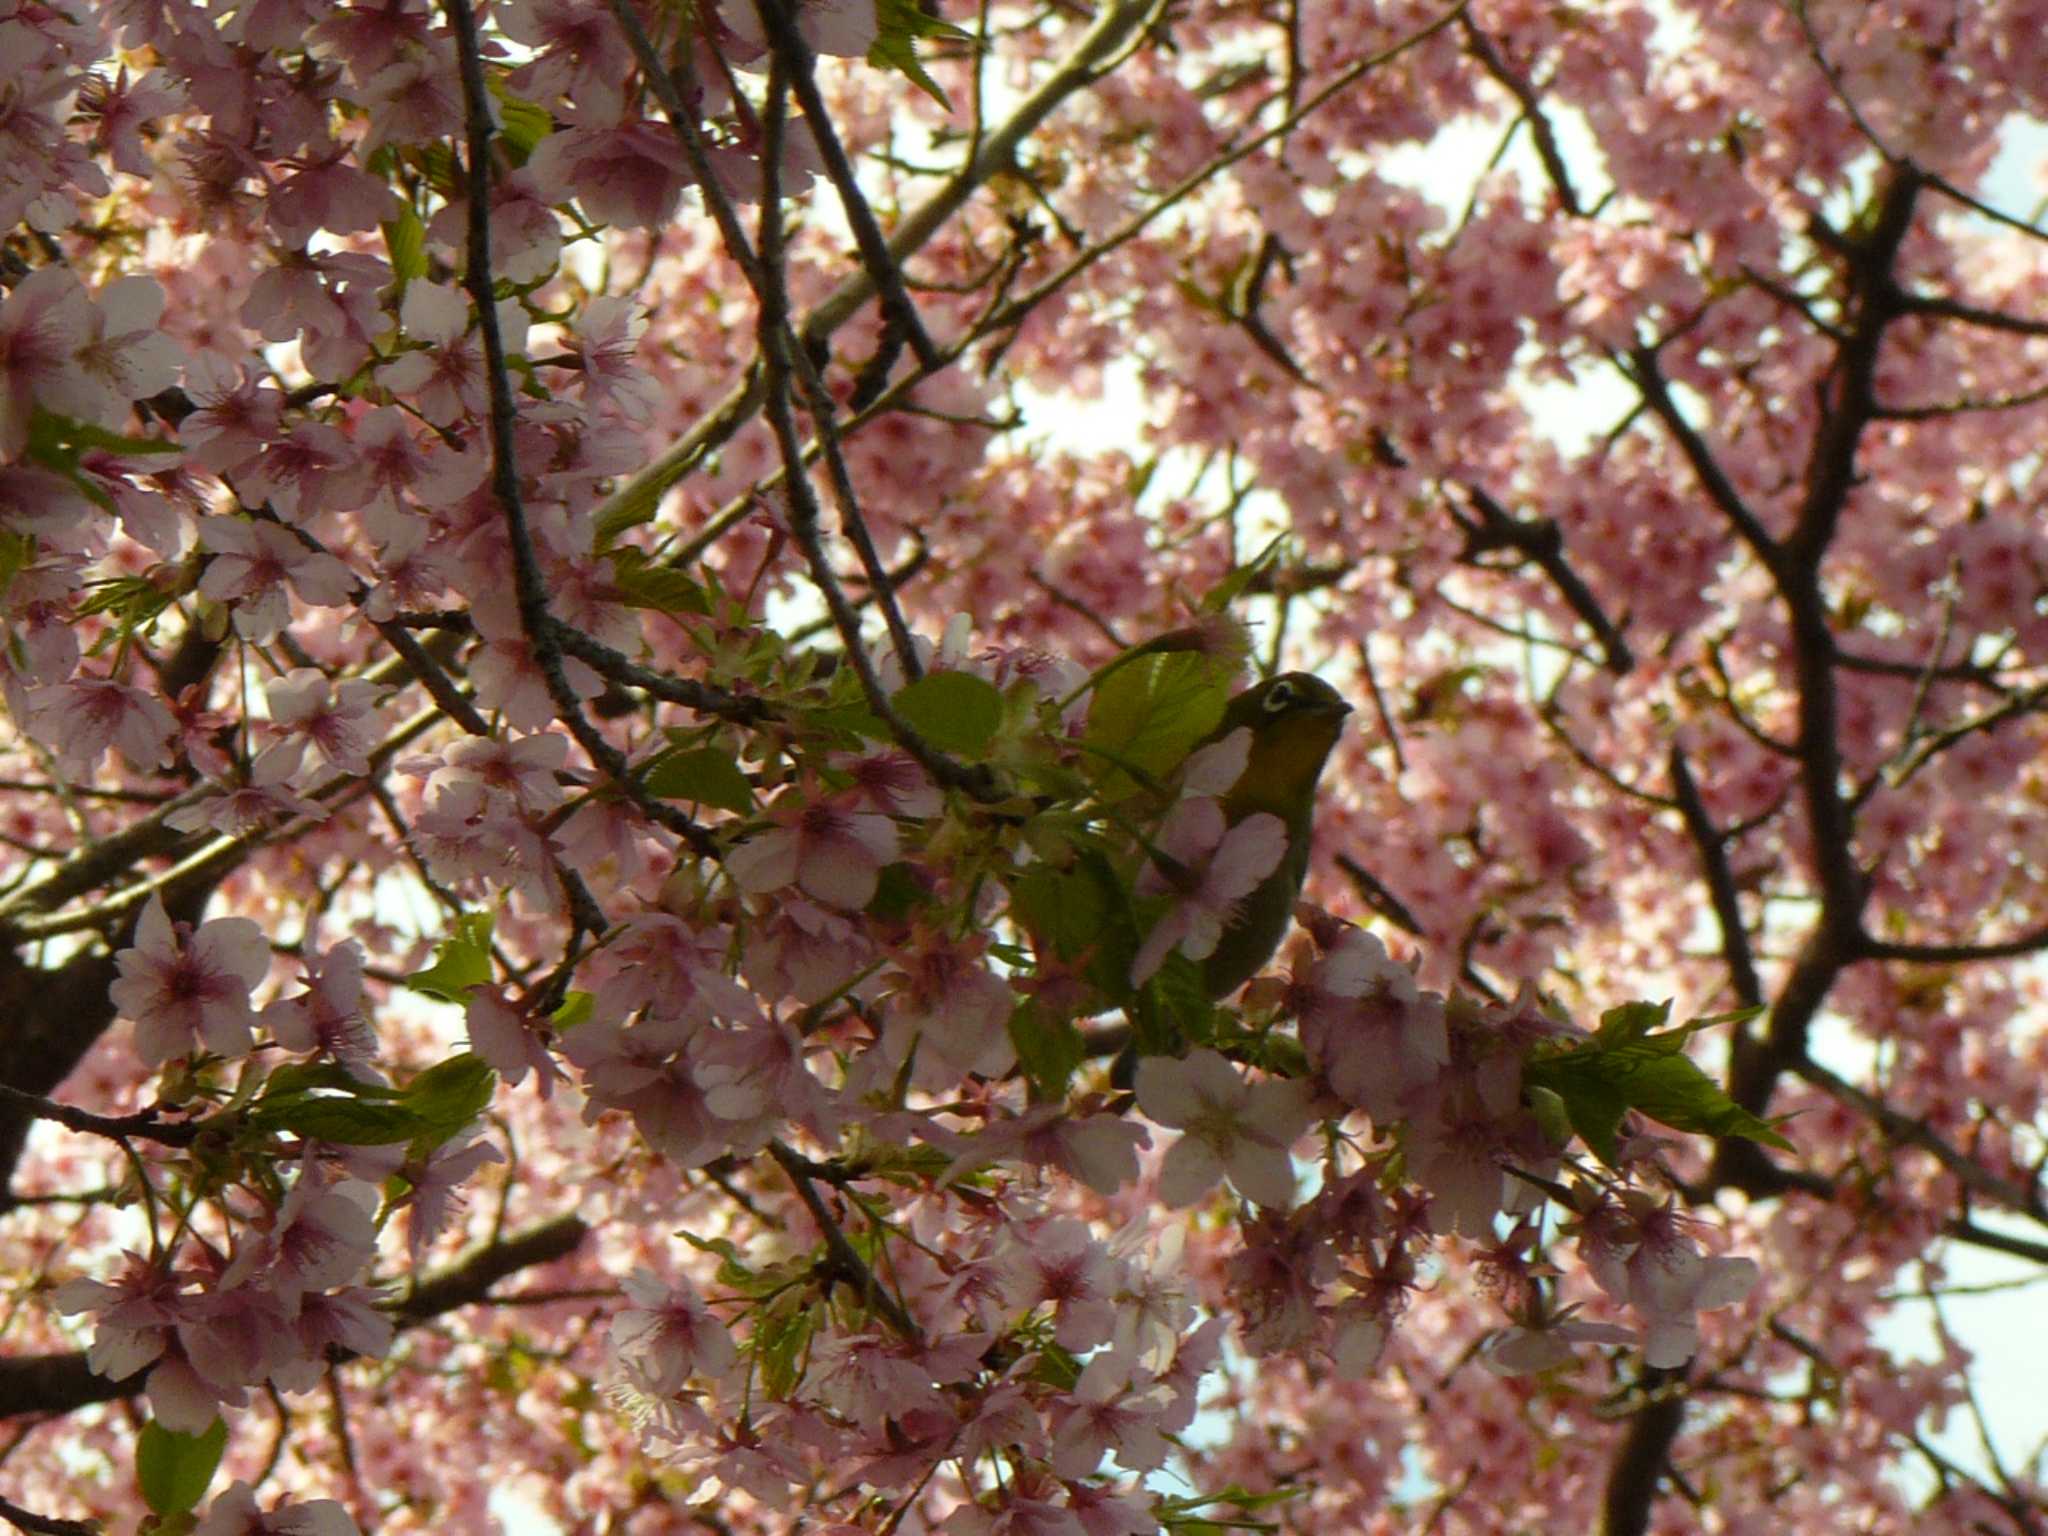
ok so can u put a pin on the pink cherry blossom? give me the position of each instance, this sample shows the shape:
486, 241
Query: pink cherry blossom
1233, 1128
332, 718
1063, 1265
80, 720
445, 375
183, 986
248, 804
328, 1017
832, 851
236, 1513
258, 565
507, 1037
668, 1335
43, 323
1209, 864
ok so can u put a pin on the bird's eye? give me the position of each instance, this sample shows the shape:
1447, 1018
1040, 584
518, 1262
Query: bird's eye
1279, 696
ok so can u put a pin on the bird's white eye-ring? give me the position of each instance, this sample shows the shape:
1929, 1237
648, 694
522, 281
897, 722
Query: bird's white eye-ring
1279, 696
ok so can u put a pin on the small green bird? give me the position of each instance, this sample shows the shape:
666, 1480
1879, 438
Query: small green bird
1295, 720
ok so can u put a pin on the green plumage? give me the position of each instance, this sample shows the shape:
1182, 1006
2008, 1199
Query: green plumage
1295, 720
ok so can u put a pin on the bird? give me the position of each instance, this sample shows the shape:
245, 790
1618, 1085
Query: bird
1295, 719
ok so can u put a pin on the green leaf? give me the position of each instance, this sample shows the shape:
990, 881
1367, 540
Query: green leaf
851, 720
1184, 999
1150, 713
522, 124
1227, 591
1116, 940
173, 1471
956, 712
300, 1078
345, 1121
1631, 1065
899, 24
779, 1340
66, 437
1553, 1116
17, 552
1063, 910
134, 600
576, 1007
663, 588
898, 893
704, 776
1591, 1101
1673, 1091
732, 1264
1049, 1048
405, 242
461, 961
1629, 1023
638, 503
452, 1093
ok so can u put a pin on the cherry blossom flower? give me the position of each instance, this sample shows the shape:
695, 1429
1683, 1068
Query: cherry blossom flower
467, 833
645, 1070
328, 1016
254, 565
134, 1314
892, 783
802, 950
1530, 1347
580, 53
1114, 1409
509, 1039
79, 720
181, 985
1642, 1252
236, 1513
307, 709
43, 323
671, 972
347, 1321
262, 799
123, 357
121, 108
302, 473
321, 1236
526, 232
832, 851
1220, 864
607, 340
1235, 1129
1063, 1264
1374, 1034
434, 1193
525, 768
445, 376
1099, 1150
756, 1080
327, 192
415, 100
668, 1335
235, 415
631, 173
950, 1008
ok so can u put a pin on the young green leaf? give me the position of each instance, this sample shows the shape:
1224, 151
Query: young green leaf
461, 961
955, 711
173, 1471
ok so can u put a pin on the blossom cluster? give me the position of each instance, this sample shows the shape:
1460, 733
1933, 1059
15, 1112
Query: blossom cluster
510, 898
